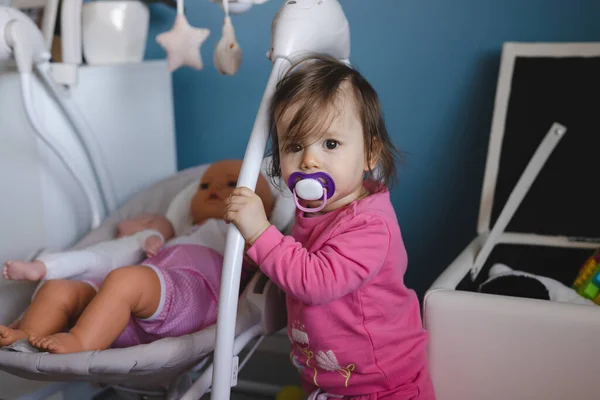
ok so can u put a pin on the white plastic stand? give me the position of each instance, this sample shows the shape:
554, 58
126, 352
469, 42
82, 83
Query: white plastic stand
300, 27
232, 262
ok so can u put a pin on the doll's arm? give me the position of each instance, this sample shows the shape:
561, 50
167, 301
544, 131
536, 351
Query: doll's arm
151, 241
152, 245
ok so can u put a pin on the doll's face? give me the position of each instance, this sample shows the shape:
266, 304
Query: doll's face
217, 183
131, 226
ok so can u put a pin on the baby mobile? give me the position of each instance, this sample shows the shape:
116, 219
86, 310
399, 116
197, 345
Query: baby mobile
183, 42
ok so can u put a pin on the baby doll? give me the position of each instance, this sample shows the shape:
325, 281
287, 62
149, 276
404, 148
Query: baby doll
146, 233
173, 293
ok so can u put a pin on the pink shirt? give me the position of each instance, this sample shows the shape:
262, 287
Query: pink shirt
355, 327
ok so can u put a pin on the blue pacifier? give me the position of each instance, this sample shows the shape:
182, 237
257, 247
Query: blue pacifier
315, 186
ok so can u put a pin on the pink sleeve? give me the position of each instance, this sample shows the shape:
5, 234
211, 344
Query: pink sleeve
344, 263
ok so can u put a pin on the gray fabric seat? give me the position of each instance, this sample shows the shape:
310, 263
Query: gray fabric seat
159, 364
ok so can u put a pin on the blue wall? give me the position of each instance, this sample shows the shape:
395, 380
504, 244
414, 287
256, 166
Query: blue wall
434, 64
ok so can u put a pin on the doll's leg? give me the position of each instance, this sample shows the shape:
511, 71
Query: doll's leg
126, 292
64, 264
55, 304
24, 270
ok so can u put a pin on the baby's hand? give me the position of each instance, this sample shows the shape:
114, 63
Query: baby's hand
245, 209
152, 245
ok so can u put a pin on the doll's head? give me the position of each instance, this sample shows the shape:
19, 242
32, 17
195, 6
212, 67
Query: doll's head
160, 223
216, 185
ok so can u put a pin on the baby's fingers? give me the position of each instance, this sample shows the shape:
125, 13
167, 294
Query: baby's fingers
236, 200
242, 191
151, 250
235, 206
230, 215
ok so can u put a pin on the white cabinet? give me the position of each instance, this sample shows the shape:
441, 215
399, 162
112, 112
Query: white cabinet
130, 111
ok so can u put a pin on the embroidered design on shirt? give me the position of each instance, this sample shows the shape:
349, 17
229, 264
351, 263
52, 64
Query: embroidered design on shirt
299, 336
300, 340
328, 361
296, 362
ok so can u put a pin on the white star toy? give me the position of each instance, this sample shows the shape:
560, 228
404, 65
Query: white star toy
182, 44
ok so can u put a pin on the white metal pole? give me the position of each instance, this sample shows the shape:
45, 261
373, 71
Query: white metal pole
232, 262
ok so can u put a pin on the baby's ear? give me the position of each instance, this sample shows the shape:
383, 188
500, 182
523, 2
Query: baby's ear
372, 157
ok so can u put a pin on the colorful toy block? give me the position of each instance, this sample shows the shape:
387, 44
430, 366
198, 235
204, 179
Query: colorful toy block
587, 283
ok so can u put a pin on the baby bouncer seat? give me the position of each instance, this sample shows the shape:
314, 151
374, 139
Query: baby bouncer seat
162, 368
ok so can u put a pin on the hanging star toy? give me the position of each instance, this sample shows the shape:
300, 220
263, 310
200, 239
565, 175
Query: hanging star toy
183, 42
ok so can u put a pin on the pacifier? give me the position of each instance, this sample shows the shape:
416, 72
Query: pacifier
315, 186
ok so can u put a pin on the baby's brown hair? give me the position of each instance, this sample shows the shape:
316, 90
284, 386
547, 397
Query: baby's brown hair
312, 85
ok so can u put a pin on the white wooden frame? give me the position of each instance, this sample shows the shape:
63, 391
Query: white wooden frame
510, 52
493, 236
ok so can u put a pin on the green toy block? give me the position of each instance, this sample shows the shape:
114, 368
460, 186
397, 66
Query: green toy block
591, 291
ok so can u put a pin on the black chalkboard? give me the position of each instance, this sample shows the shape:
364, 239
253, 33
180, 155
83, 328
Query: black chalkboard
565, 198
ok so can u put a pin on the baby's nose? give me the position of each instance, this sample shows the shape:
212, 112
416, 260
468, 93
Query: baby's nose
309, 160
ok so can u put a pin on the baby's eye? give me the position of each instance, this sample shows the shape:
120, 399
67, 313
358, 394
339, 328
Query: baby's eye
331, 144
231, 184
293, 148
204, 186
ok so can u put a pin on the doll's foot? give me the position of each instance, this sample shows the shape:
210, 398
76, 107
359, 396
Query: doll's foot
59, 343
9, 336
21, 270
